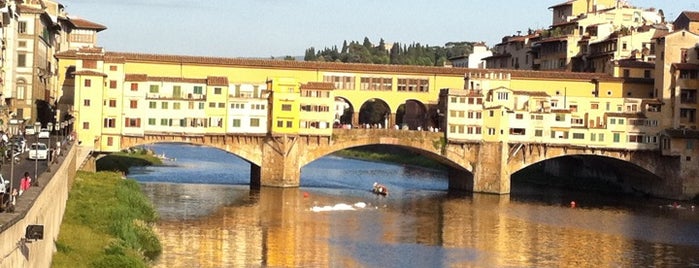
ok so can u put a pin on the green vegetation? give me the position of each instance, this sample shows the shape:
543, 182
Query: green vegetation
413, 54
107, 223
391, 155
122, 161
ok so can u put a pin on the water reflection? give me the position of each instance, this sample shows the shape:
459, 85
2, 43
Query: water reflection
229, 225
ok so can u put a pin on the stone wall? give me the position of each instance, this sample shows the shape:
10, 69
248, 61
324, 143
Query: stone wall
40, 205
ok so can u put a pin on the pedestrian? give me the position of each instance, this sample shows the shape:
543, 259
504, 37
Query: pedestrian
24, 183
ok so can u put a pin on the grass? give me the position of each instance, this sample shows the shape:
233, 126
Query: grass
107, 223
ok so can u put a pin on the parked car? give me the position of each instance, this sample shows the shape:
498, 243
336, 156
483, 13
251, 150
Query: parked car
29, 130
38, 151
44, 133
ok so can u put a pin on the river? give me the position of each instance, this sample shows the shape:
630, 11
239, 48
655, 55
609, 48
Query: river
209, 217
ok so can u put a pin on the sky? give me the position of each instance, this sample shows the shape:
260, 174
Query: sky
277, 28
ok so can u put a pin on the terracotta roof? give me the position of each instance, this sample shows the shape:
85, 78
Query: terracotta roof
318, 85
691, 15
553, 39
650, 101
498, 56
626, 115
682, 133
531, 93
217, 81
176, 80
136, 78
89, 73
560, 111
685, 66
29, 9
327, 66
79, 23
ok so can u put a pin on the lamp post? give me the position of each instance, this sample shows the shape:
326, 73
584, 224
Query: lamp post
37, 127
49, 156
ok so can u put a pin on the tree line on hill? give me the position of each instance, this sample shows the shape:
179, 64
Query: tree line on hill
404, 54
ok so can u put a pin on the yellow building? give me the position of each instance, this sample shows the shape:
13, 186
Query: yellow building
285, 106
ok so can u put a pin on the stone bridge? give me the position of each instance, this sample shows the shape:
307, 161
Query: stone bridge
472, 166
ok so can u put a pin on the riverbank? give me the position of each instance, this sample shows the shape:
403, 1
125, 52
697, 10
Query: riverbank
389, 154
108, 221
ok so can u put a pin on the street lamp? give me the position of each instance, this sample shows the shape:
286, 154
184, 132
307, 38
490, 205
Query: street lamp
50, 156
37, 127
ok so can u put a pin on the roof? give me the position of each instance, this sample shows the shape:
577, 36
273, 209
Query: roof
320, 66
632, 63
567, 3
681, 133
318, 85
626, 115
685, 66
531, 93
79, 23
217, 81
89, 73
691, 15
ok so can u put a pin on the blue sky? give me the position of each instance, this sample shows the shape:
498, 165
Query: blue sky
264, 28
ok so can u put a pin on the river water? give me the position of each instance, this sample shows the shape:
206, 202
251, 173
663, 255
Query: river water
209, 217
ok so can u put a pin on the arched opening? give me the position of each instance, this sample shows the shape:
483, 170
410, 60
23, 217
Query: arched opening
343, 112
589, 173
413, 115
374, 113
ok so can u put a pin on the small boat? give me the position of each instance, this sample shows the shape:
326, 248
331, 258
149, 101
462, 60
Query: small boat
379, 189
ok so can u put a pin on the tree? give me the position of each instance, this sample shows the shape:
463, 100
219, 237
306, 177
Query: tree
310, 54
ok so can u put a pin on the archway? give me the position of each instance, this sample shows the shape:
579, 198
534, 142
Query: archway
344, 111
413, 115
590, 173
374, 113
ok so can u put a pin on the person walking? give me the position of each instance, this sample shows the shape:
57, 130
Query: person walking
25, 183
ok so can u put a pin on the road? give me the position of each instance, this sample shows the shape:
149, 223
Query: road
16, 170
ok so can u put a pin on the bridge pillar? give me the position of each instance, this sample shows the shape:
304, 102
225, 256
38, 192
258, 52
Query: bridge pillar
491, 173
355, 119
392, 121
280, 162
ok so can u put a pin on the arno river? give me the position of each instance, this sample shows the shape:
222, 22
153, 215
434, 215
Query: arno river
211, 218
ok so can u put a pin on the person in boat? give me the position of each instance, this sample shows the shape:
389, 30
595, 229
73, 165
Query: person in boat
380, 189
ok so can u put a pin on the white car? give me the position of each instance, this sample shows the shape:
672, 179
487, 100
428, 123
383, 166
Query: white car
4, 185
38, 151
44, 133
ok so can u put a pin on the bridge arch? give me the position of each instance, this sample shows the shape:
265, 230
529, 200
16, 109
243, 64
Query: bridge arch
413, 114
245, 147
348, 110
635, 164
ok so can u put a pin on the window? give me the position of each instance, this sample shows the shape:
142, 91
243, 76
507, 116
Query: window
491, 131
212, 105
89, 64
578, 136
110, 141
594, 106
503, 95
112, 84
221, 105
177, 92
289, 124
201, 106
254, 122
626, 73
151, 121
152, 105
86, 125
133, 104
132, 122
646, 74
217, 90
86, 103
154, 89
280, 123
22, 27
164, 122
236, 122
164, 106
134, 86
176, 106
538, 132
112, 103
87, 83
617, 137
112, 67
109, 122
21, 60
286, 107
690, 144
198, 90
